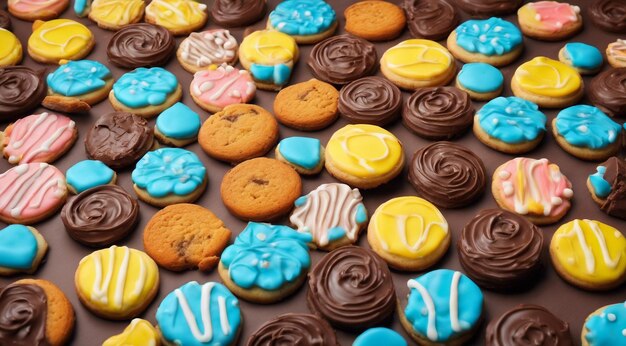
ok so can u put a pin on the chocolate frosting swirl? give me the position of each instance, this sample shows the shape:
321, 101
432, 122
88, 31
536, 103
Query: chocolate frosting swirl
21, 91
608, 91
499, 249
351, 287
447, 174
100, 216
236, 13
119, 139
609, 15
370, 100
294, 329
5, 20
486, 8
438, 113
342, 59
615, 203
430, 19
528, 325
23, 314
141, 45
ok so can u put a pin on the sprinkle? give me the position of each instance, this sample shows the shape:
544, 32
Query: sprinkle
504, 174
568, 193
611, 317
261, 236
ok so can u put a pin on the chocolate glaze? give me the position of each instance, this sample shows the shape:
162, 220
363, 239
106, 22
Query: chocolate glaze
615, 203
370, 100
486, 8
438, 113
528, 325
119, 139
5, 20
351, 287
608, 91
21, 90
23, 314
447, 174
343, 58
237, 13
430, 19
141, 45
294, 329
100, 216
609, 15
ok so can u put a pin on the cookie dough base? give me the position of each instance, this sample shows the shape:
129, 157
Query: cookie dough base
547, 101
507, 148
148, 111
161, 202
414, 84
478, 96
304, 171
587, 153
77, 104
495, 60
263, 85
173, 142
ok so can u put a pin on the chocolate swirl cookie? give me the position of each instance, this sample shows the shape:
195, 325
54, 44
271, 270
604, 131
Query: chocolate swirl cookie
447, 174
609, 15
499, 249
487, 8
23, 314
342, 59
100, 216
294, 329
608, 91
614, 176
236, 13
141, 45
438, 113
370, 100
430, 19
21, 91
351, 287
528, 325
5, 20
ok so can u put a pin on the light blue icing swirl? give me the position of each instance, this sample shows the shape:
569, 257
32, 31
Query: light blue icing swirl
302, 17
583, 55
587, 127
18, 247
601, 187
178, 122
301, 151
608, 328
78, 77
87, 174
480, 77
512, 120
493, 36
145, 87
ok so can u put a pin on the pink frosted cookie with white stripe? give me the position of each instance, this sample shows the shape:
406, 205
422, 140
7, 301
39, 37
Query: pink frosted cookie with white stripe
31, 192
39, 138
32, 10
220, 86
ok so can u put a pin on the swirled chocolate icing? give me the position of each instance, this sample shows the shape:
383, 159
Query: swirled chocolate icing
23, 314
294, 329
21, 90
141, 45
430, 19
609, 15
119, 139
499, 249
615, 203
608, 91
5, 20
236, 13
528, 325
351, 287
438, 113
447, 174
486, 8
100, 216
370, 100
343, 58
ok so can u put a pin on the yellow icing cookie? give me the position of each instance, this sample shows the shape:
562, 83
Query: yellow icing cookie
546, 77
10, 49
177, 14
59, 39
138, 333
116, 13
418, 59
268, 47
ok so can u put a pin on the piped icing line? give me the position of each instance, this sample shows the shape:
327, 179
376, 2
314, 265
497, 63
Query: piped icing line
617, 50
493, 36
79, 77
60, 38
547, 77
223, 86
18, 248
551, 15
202, 49
173, 14
512, 120
145, 86
606, 326
35, 5
302, 17
418, 59
116, 12
138, 332
587, 127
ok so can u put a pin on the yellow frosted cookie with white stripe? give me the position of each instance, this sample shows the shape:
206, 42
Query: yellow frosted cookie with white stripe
180, 17
10, 50
138, 333
114, 14
59, 39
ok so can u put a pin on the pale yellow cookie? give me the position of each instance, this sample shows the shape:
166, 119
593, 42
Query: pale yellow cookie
59, 39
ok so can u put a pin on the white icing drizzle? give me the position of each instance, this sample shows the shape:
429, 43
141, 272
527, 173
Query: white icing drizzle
173, 9
205, 48
590, 261
560, 82
617, 50
420, 58
205, 306
62, 46
431, 329
28, 190
364, 162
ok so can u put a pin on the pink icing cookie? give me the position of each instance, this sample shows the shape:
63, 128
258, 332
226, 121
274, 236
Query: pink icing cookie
37, 9
39, 138
216, 88
554, 15
31, 192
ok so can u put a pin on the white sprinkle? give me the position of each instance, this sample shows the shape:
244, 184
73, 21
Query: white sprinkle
504, 174
254, 262
568, 193
611, 317
583, 128
618, 234
497, 28
93, 70
482, 38
261, 236
508, 188
508, 110
67, 70
624, 332
495, 121
556, 200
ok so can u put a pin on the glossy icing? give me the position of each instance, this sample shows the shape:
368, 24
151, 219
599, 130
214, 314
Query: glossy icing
81, 7
418, 59
549, 15
583, 56
18, 247
271, 55
493, 36
78, 77
587, 127
26, 6
480, 77
547, 77
138, 333
512, 120
178, 122
116, 12
304, 152
601, 187
59, 39
202, 49
302, 17
144, 87
87, 174
607, 327
174, 14
11, 48
617, 50
223, 85
379, 336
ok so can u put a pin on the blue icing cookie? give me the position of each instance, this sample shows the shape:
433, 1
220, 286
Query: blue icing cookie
587, 127
81, 7
168, 171
380, 337
145, 87
179, 122
267, 256
512, 120
199, 315
78, 78
601, 187
276, 74
480, 77
18, 247
493, 36
608, 328
301, 151
583, 55
443, 304
302, 17
87, 174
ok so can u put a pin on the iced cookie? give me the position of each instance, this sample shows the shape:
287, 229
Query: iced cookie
527, 322
616, 53
87, 174
307, 21
266, 263
586, 59
11, 49
115, 14
549, 20
431, 19
200, 50
216, 87
589, 254
409, 233
341, 59
177, 126
141, 45
180, 17
138, 332
481, 81
304, 154
370, 100
21, 91
379, 335
31, 10
609, 15
608, 187
307, 106
237, 13
5, 20
486, 8
59, 39
293, 329
375, 20
607, 91
21, 250
605, 326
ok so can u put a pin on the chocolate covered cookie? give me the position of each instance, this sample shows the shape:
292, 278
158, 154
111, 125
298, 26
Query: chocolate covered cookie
430, 19
370, 100
21, 90
141, 45
294, 329
528, 324
341, 59
607, 91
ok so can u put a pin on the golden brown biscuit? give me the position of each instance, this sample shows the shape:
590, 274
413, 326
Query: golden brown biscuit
307, 106
375, 20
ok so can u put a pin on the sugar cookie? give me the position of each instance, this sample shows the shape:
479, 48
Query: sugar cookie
31, 10
307, 106
138, 332
486, 8
11, 49
375, 20
21, 250
378, 335
141, 45
370, 100
200, 50
616, 53
59, 39
431, 19
294, 328
481, 81
86, 174
216, 87
21, 91
307, 21
549, 20
586, 59
607, 187
608, 92
605, 326
181, 17
115, 14
531, 323
228, 13
341, 59
304, 154
177, 126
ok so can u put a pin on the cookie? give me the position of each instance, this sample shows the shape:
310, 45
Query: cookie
138, 332
607, 91
409, 233
493, 41
180, 17
604, 326
375, 20
216, 87
100, 216
185, 236
200, 50
532, 188
586, 59
304, 154
5, 20
341, 59
481, 81
238, 133
370, 100
193, 307
528, 322
177, 126
307, 106
510, 125
260, 189
11, 50
86, 174
33, 10
21, 250
307, 21
616, 53
168, 176
294, 328
430, 19
266, 263
364, 156
487, 8
141, 45
549, 20
378, 335
228, 13
115, 14
587, 133
607, 187
59, 39
21, 91
589, 254
351, 288
609, 15
116, 283
39, 138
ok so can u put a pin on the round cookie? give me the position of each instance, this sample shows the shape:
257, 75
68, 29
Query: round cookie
31, 10
607, 187
307, 106
447, 174
608, 92
488, 8
294, 329
260, 189
180, 17
605, 326
304, 154
549, 20
177, 126
616, 53
370, 100
87, 174
241, 13
307, 21
430, 19
81, 7
185, 236
266, 263
21, 91
378, 336
200, 50
216, 87
21, 250
609, 15
527, 323
115, 14
138, 332
341, 59
168, 176
409, 233
5, 20
11, 49
481, 81
141, 45
59, 39
586, 59
375, 20
532, 188
351, 288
